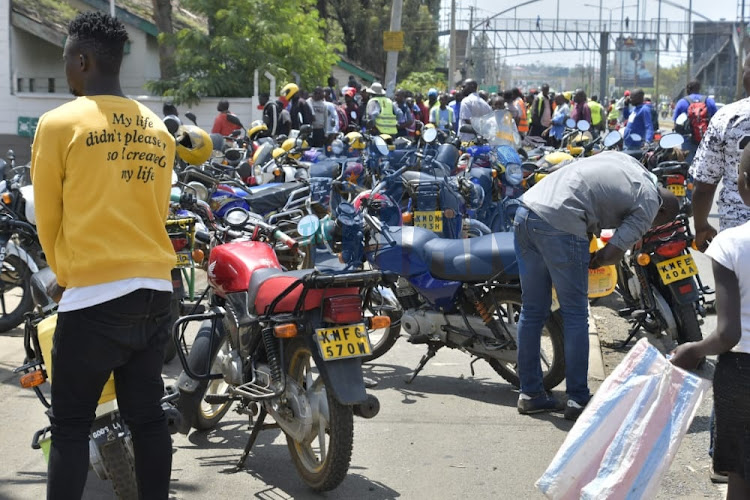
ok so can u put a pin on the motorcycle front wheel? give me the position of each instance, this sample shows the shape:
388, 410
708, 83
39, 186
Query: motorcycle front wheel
322, 458
195, 410
552, 352
15, 292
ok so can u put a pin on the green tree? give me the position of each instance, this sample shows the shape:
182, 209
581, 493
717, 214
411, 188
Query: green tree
163, 21
359, 25
279, 36
421, 81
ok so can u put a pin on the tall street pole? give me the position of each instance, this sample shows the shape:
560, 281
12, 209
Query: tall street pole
690, 36
657, 99
740, 53
391, 61
452, 48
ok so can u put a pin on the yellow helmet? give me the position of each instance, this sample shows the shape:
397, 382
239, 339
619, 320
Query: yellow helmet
288, 91
255, 128
355, 141
194, 145
291, 142
389, 141
278, 152
556, 158
263, 154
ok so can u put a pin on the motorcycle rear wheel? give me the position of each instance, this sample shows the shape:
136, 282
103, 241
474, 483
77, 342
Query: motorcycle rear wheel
553, 350
688, 328
322, 460
120, 465
15, 292
196, 412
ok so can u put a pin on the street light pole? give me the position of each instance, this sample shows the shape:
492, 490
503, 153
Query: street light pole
658, 33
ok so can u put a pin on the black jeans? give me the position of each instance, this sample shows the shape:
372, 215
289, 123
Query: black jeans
125, 335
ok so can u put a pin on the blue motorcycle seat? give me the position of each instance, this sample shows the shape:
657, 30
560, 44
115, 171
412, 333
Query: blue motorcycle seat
472, 259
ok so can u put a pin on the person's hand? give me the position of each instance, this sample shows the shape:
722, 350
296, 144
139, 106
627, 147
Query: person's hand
703, 236
686, 356
545, 133
593, 261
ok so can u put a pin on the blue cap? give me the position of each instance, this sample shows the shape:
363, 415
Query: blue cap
432, 91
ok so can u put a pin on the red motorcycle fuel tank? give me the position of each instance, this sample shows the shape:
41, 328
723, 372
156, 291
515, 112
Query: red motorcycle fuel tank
231, 265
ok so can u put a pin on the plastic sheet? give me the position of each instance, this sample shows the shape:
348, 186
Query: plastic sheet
625, 440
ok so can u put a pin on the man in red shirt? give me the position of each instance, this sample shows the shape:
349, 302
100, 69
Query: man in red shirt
424, 110
221, 124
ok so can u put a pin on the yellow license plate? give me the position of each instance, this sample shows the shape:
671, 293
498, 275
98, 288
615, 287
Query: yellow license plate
677, 189
432, 220
341, 342
183, 260
676, 269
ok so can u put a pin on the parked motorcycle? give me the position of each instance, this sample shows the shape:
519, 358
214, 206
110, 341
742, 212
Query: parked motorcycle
110, 443
288, 344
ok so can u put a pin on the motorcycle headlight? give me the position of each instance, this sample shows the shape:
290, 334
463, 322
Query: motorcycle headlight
514, 173
337, 147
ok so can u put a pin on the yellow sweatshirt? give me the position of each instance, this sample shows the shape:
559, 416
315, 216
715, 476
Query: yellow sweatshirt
101, 167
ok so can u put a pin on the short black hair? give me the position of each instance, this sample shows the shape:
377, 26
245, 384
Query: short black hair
693, 87
222, 106
103, 35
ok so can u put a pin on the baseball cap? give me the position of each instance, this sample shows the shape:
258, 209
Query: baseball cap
627, 93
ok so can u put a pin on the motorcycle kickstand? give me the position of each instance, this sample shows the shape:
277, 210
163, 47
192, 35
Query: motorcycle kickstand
432, 349
633, 331
257, 427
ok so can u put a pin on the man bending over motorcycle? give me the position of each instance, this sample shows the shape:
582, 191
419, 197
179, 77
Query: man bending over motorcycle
552, 229
101, 223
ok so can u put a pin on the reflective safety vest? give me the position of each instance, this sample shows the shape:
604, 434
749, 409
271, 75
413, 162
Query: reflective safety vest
596, 113
523, 121
386, 121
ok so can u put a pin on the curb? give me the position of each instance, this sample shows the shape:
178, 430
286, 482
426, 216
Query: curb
596, 360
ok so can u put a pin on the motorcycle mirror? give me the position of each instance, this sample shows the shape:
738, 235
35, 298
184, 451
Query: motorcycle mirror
669, 141
612, 138
429, 135
636, 137
681, 119
570, 123
191, 116
236, 217
353, 115
467, 129
172, 123
305, 129
308, 225
233, 119
583, 125
380, 145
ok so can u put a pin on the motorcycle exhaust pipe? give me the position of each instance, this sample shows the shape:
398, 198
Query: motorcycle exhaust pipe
369, 408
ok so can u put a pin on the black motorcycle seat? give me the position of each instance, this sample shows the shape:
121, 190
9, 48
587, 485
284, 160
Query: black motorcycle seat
271, 198
635, 153
680, 168
472, 259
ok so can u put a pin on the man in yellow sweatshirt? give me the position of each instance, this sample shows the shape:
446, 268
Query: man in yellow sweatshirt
101, 170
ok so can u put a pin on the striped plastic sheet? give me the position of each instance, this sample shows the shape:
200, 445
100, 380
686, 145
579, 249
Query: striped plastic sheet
627, 436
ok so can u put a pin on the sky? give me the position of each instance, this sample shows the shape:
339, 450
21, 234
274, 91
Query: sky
576, 9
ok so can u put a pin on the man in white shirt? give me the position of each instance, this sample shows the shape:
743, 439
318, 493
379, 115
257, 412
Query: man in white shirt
471, 106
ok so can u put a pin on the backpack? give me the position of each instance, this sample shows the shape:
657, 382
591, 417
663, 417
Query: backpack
343, 119
697, 118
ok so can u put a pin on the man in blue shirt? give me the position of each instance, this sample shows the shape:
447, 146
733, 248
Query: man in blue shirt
692, 91
639, 121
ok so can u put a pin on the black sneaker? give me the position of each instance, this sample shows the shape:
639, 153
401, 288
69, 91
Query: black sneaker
528, 405
573, 410
717, 477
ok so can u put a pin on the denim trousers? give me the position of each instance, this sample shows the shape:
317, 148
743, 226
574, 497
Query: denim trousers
547, 257
125, 336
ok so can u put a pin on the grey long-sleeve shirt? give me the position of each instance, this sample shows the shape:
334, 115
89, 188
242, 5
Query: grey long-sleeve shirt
609, 190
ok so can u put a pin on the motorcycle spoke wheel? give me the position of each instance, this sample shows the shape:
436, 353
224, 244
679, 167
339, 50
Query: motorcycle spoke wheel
552, 348
322, 457
383, 339
15, 292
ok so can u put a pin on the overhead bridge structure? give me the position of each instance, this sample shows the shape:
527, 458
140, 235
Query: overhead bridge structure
709, 44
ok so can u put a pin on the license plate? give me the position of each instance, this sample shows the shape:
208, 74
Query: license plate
676, 269
107, 428
341, 342
432, 220
677, 189
183, 260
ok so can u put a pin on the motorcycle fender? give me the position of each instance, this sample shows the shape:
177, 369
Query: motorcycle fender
107, 428
187, 384
343, 376
13, 249
679, 291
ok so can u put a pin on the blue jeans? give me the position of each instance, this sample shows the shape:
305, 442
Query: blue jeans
125, 335
546, 257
